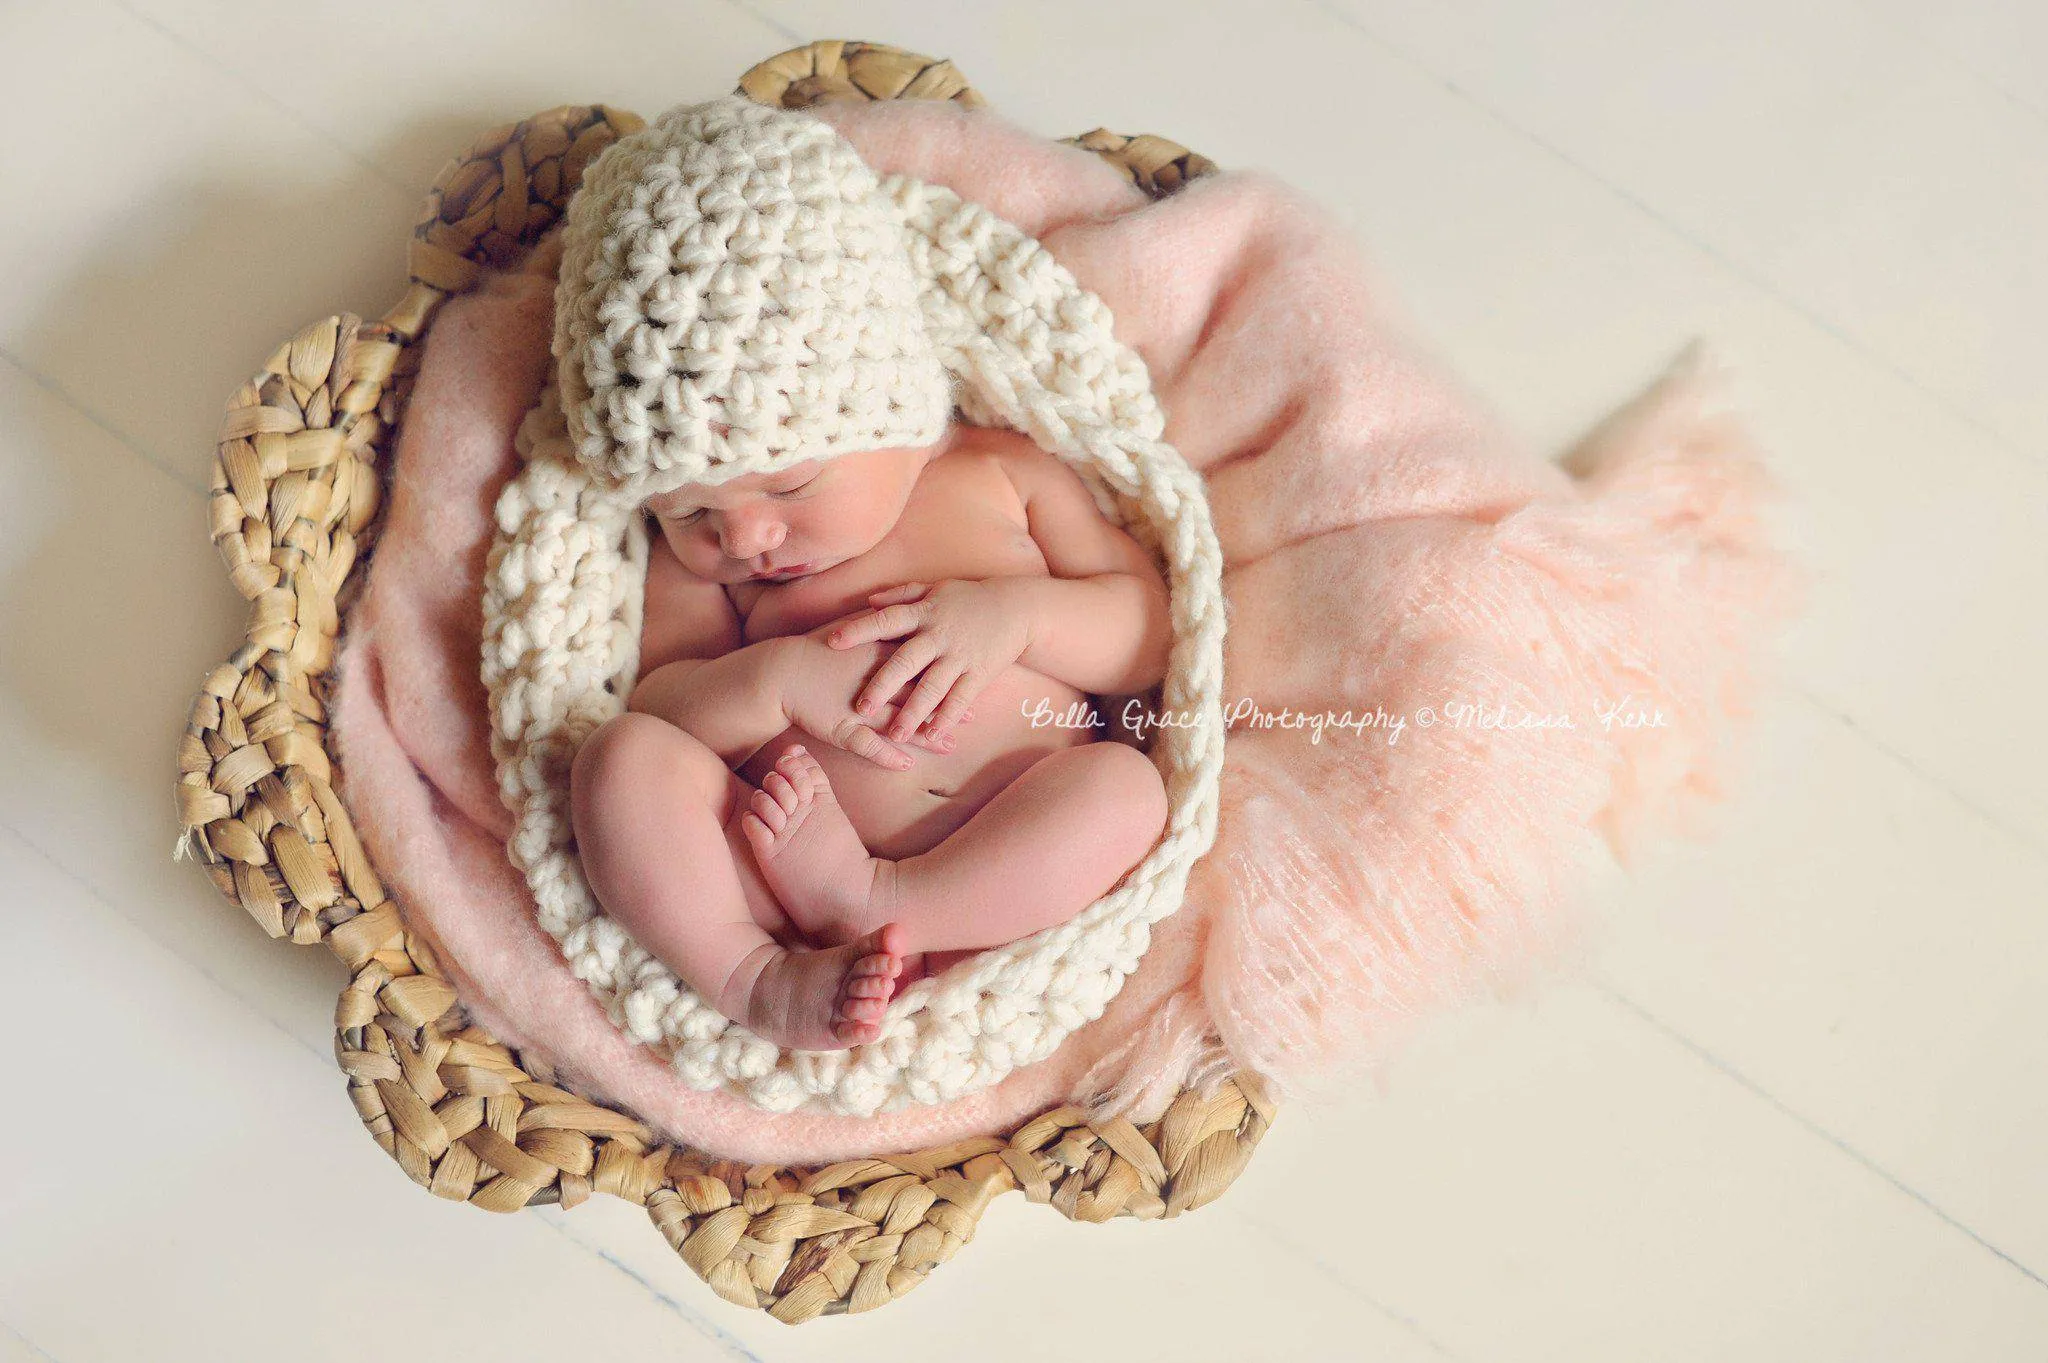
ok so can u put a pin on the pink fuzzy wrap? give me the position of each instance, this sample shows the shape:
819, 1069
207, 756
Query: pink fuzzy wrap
1390, 551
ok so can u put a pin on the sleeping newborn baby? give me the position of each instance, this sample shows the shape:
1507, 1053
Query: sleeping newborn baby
829, 779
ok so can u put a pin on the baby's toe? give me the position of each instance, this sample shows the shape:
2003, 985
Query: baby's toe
855, 1033
764, 806
757, 832
869, 987
878, 965
803, 770
863, 1010
777, 785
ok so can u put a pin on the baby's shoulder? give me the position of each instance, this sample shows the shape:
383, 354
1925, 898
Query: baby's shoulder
1011, 456
999, 444
981, 465
1035, 474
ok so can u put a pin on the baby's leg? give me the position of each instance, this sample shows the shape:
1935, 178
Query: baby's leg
1049, 844
648, 804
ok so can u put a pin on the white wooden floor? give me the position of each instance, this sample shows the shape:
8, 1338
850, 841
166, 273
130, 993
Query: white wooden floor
1795, 1110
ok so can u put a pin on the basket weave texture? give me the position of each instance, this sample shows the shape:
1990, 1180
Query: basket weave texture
298, 480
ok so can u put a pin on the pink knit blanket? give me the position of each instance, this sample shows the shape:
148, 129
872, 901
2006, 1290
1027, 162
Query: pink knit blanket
1456, 669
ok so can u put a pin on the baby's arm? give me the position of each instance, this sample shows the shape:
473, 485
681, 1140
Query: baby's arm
696, 672
1102, 623
729, 704
735, 698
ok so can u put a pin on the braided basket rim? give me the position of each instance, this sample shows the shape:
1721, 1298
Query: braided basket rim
299, 477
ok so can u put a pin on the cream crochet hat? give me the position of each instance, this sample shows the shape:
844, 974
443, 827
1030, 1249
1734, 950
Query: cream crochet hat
739, 291
736, 296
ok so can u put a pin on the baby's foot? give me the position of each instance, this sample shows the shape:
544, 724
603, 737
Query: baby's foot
808, 852
918, 964
828, 1000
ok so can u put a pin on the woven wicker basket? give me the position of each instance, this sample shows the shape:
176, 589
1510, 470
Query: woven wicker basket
298, 480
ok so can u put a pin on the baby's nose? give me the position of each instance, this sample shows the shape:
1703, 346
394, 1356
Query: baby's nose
745, 537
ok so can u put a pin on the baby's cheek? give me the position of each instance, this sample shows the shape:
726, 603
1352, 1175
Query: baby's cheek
690, 555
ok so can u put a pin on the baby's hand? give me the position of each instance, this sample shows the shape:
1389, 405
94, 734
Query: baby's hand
962, 634
818, 684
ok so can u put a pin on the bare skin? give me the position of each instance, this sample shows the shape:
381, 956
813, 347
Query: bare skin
994, 881
817, 823
643, 792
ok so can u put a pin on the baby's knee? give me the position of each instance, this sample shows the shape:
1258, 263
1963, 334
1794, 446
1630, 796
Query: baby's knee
1133, 789
629, 752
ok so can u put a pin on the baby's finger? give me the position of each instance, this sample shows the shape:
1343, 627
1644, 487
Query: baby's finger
908, 591
922, 738
954, 709
846, 634
931, 688
858, 739
910, 658
886, 623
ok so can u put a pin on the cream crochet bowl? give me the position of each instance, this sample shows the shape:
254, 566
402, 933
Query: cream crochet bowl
563, 594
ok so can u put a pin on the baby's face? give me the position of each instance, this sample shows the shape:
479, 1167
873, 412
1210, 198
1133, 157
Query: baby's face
789, 524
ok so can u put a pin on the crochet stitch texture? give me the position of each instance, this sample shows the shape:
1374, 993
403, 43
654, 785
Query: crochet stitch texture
735, 297
731, 301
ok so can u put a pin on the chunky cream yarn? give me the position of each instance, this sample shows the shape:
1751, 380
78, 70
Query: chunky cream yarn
740, 291
735, 297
